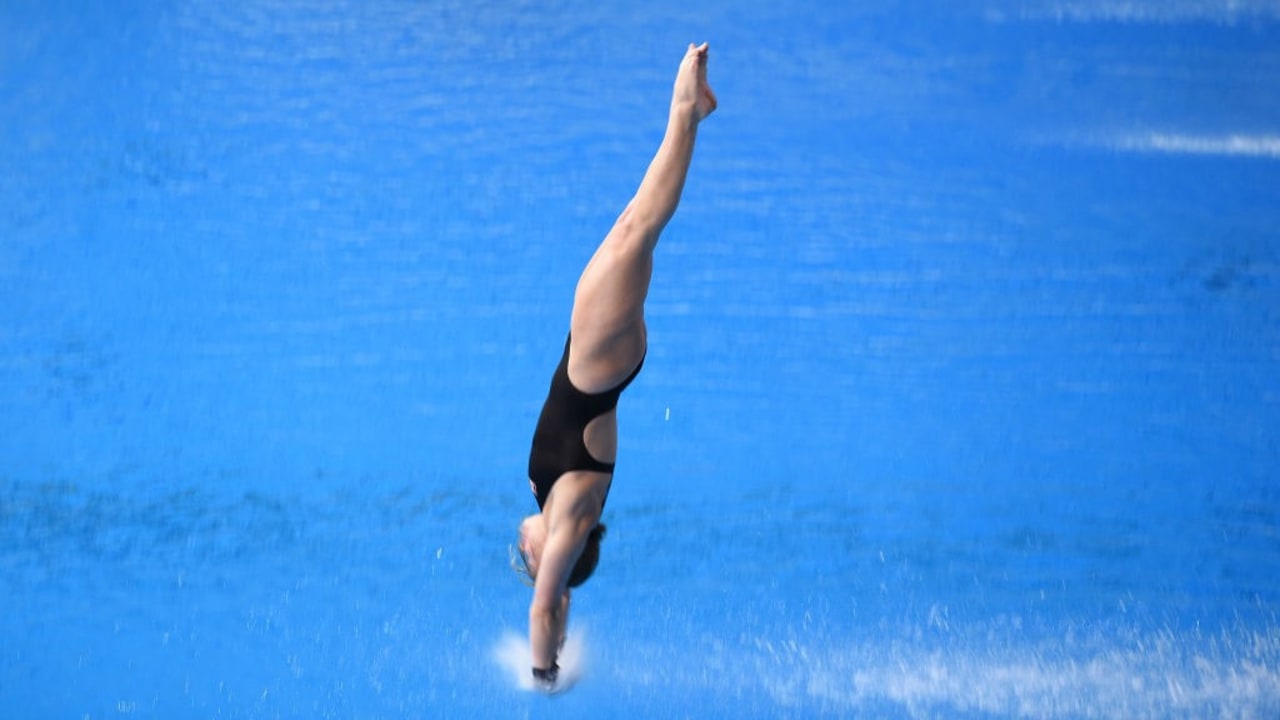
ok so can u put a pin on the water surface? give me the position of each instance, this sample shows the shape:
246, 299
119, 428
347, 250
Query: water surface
961, 394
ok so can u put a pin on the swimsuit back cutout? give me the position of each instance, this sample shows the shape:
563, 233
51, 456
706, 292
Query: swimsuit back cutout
558, 443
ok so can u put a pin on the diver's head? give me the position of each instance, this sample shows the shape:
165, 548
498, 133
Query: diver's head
526, 555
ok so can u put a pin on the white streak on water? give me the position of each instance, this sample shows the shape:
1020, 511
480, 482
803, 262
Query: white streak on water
1222, 12
1267, 146
1242, 145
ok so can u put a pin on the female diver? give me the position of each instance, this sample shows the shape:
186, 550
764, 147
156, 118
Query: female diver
574, 444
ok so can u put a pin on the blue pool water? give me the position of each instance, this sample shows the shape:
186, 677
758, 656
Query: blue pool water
962, 394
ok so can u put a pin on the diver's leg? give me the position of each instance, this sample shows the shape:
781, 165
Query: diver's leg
608, 309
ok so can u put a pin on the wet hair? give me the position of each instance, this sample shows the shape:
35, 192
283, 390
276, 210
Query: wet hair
520, 564
589, 558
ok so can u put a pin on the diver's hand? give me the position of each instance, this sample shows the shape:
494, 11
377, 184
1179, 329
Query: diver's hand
546, 680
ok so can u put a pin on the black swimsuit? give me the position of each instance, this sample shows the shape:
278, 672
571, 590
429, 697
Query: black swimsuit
558, 444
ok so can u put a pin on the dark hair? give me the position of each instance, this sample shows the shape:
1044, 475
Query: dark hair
589, 558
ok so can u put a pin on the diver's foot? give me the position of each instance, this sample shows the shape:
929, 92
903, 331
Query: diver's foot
692, 91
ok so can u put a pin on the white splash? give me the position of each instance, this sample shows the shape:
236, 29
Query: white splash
1107, 671
512, 654
1157, 676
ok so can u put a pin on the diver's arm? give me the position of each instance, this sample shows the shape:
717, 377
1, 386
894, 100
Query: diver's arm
549, 611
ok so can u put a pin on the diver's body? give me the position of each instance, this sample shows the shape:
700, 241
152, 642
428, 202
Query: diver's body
572, 458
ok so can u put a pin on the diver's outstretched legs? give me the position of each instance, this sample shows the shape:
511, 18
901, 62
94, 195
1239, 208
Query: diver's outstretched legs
607, 326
